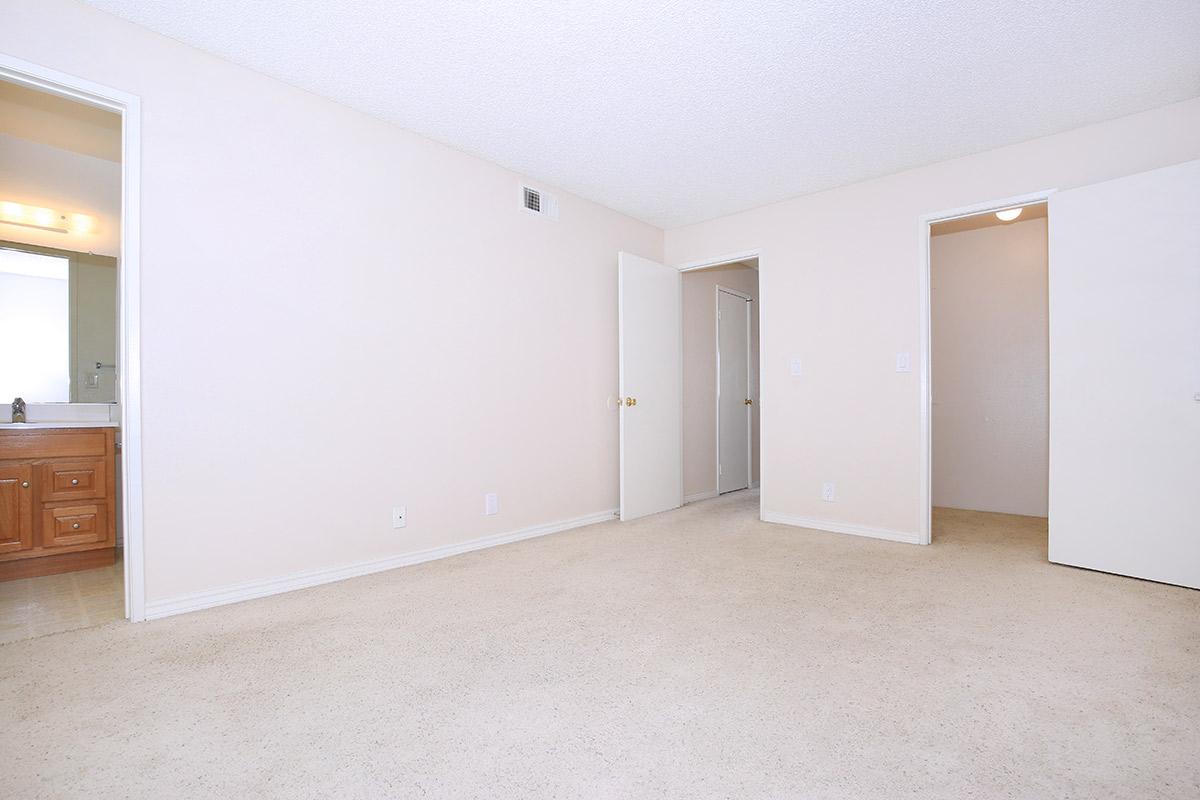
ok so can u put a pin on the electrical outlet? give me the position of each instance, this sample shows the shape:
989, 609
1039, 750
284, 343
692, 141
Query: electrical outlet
491, 504
796, 368
828, 492
903, 362
399, 516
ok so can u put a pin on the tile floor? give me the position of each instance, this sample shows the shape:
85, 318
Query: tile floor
31, 607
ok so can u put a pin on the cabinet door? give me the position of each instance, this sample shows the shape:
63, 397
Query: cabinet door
16, 508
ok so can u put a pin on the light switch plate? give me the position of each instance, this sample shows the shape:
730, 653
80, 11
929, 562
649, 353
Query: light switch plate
491, 504
399, 516
903, 362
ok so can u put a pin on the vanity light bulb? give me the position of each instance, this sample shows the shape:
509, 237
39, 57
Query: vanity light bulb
81, 223
11, 211
1008, 214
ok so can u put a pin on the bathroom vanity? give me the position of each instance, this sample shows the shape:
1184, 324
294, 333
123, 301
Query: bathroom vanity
57, 498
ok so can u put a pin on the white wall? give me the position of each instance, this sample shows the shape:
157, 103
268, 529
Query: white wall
700, 374
840, 289
339, 316
990, 368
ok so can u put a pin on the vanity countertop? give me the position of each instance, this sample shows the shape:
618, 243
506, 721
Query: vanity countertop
33, 426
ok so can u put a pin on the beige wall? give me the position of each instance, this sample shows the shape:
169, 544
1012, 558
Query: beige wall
990, 369
339, 316
700, 374
59, 122
839, 278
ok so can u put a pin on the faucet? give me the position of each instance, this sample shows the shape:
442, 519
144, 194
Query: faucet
18, 410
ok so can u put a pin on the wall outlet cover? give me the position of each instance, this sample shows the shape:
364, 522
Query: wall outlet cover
795, 367
828, 492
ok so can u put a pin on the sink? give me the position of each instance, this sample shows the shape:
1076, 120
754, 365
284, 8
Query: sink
16, 426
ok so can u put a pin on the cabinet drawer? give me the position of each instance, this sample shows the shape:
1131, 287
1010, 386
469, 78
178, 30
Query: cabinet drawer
70, 480
82, 523
54, 443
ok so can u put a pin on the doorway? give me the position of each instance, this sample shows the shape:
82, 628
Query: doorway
677, 445
989, 373
81, 500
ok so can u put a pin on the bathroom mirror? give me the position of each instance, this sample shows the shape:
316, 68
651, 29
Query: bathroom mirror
58, 325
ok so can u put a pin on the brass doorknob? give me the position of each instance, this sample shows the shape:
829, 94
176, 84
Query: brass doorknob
749, 402
630, 401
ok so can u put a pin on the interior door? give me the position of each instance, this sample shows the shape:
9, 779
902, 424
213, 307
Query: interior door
1125, 376
733, 392
651, 386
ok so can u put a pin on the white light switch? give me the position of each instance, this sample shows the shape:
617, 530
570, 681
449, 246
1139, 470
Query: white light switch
399, 516
795, 367
491, 504
903, 362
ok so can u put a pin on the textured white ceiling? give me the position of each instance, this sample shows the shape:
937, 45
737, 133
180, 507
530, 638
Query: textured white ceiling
682, 111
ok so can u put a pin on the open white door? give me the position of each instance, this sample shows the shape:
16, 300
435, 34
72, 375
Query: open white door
733, 391
1125, 376
651, 377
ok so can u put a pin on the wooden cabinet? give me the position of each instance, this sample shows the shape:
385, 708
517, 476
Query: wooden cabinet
57, 500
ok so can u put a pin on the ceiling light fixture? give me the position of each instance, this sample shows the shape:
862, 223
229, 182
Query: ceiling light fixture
47, 219
1008, 214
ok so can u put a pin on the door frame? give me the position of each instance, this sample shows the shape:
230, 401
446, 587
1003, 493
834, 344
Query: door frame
925, 221
129, 384
749, 413
718, 261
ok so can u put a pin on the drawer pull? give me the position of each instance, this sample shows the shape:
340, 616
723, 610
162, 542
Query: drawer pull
74, 481
24, 484
75, 526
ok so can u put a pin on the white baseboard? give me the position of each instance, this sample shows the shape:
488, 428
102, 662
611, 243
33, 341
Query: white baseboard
698, 496
842, 527
302, 580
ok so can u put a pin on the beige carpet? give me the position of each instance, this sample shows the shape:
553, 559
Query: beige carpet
699, 653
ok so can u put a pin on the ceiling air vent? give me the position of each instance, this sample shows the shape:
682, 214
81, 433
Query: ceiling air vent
535, 201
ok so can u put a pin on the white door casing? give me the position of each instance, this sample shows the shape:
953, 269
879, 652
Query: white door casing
651, 386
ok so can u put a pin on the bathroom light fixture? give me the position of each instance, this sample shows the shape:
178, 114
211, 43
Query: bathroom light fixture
48, 219
1008, 214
